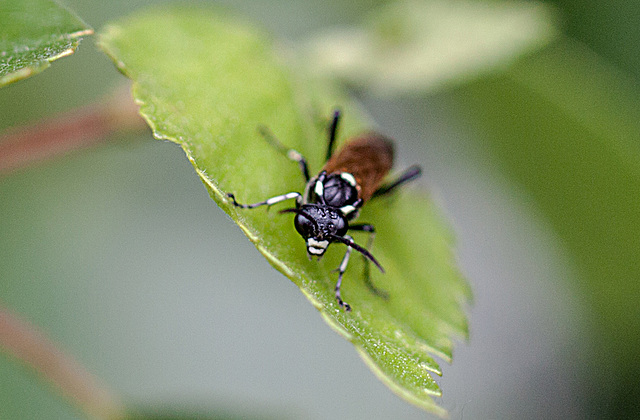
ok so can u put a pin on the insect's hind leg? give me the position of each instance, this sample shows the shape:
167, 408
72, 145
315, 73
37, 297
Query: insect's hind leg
410, 174
289, 153
364, 227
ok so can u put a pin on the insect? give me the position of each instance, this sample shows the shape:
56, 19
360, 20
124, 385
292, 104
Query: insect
332, 199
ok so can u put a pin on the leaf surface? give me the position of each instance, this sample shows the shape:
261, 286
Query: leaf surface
207, 82
32, 34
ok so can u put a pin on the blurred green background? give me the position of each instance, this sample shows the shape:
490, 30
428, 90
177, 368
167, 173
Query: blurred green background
118, 253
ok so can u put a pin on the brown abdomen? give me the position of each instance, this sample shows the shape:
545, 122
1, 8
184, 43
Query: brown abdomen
368, 157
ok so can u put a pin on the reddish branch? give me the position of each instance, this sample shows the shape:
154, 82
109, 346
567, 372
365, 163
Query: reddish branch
24, 342
76, 129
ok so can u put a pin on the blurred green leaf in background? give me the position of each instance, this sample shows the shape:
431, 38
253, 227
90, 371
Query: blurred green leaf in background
416, 47
566, 126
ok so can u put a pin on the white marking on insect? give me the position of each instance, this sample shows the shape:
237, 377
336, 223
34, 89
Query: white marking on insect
316, 251
293, 155
345, 260
312, 243
347, 209
349, 178
319, 189
274, 200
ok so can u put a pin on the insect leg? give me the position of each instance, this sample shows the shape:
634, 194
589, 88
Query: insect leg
289, 153
341, 270
364, 227
268, 202
333, 128
410, 174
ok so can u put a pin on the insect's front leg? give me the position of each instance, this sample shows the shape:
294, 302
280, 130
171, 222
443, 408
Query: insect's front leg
341, 270
268, 202
365, 227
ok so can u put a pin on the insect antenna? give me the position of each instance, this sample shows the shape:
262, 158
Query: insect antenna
358, 248
332, 133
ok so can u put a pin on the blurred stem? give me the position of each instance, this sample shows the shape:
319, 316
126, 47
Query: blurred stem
24, 342
75, 129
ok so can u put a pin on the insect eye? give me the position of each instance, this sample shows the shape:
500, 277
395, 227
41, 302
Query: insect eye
341, 226
304, 226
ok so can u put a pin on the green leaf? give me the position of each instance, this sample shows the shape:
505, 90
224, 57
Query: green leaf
410, 47
566, 126
207, 82
34, 33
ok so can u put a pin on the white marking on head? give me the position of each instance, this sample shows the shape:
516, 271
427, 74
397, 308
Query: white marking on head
316, 251
317, 244
349, 178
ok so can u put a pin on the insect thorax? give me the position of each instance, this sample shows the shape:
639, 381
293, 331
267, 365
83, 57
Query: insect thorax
338, 190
